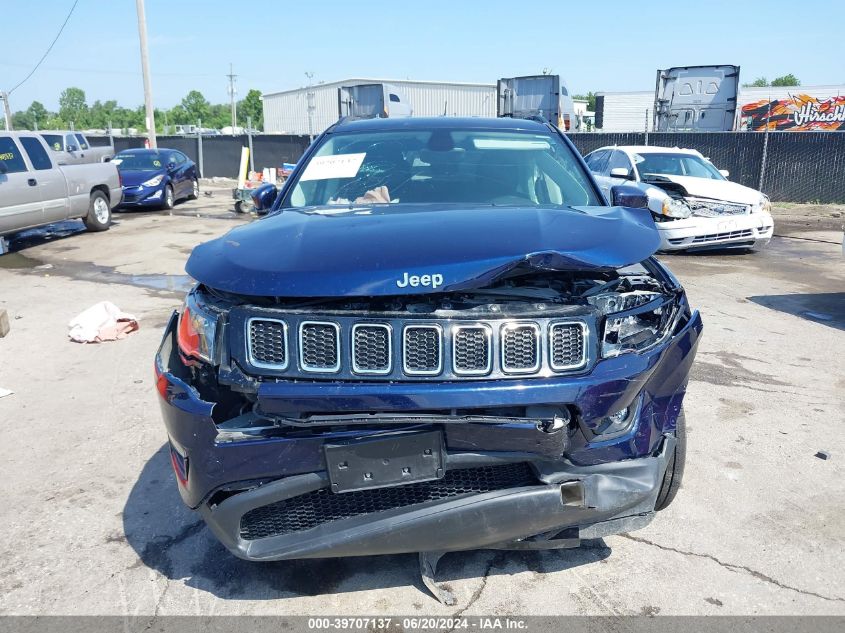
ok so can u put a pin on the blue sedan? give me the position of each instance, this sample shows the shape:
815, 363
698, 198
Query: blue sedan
156, 177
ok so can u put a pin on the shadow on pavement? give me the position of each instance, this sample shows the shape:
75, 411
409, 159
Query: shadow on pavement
43, 234
173, 540
826, 308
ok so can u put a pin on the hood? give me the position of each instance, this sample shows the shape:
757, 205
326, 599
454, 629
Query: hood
134, 177
332, 252
717, 189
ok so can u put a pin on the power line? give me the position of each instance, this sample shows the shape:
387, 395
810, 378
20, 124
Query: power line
56, 39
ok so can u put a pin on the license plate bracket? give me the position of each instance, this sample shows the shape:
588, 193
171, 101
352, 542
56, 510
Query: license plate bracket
385, 461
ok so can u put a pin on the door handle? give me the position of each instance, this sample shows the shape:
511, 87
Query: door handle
32, 182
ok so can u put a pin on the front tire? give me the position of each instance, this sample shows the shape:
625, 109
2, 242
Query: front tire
675, 469
99, 212
169, 198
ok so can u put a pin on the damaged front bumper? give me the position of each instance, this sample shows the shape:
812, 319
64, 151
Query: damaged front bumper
729, 231
563, 506
266, 493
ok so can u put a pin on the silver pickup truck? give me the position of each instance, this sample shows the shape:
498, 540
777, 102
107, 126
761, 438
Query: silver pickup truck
73, 148
35, 191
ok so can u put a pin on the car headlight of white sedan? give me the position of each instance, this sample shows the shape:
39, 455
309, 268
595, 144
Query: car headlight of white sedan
674, 208
764, 205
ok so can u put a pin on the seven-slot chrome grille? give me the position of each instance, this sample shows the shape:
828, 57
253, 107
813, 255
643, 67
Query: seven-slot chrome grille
412, 349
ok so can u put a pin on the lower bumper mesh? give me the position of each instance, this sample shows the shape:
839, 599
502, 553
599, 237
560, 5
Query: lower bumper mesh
322, 506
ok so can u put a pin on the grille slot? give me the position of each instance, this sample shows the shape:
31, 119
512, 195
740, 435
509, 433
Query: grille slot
371, 348
520, 348
267, 343
319, 346
566, 346
422, 350
471, 349
322, 506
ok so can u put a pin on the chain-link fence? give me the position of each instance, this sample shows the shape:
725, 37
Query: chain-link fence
787, 166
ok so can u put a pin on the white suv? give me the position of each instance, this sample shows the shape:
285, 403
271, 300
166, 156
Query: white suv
693, 203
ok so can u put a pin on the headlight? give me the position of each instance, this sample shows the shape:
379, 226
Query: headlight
763, 206
197, 330
673, 208
154, 182
634, 321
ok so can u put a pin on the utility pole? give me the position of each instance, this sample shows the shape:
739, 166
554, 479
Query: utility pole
145, 68
7, 110
232, 92
309, 99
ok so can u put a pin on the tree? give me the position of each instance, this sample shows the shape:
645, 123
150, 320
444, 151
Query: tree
786, 80
591, 100
23, 120
196, 106
72, 107
760, 82
38, 113
251, 107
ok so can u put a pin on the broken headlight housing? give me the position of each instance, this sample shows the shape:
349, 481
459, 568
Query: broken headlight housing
634, 321
197, 329
674, 208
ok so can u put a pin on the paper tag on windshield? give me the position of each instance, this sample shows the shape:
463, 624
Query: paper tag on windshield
340, 166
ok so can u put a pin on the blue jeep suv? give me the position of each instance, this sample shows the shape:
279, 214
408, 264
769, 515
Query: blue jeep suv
441, 337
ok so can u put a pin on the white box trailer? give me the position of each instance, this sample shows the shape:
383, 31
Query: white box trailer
372, 101
537, 96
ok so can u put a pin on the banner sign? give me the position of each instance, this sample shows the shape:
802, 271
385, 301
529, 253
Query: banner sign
800, 113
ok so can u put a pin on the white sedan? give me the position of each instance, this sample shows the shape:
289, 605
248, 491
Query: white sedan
694, 205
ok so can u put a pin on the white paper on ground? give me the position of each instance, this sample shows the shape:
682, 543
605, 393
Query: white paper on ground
103, 321
340, 166
5, 392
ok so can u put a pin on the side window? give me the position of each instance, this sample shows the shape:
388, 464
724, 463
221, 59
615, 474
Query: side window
11, 160
70, 141
83, 144
54, 141
619, 159
36, 152
597, 161
395, 98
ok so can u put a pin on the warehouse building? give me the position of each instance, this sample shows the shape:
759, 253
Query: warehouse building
310, 110
634, 111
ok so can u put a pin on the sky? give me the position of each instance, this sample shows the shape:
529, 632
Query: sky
608, 46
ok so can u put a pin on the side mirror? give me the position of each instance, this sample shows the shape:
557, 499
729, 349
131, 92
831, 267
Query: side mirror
725, 172
171, 166
628, 196
621, 172
72, 148
264, 196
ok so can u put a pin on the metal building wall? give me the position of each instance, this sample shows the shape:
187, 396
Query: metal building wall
287, 112
626, 111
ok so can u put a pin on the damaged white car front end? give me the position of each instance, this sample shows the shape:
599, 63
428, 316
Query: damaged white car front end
693, 204
697, 222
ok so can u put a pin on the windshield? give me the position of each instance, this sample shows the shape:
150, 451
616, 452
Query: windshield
443, 166
675, 165
145, 161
